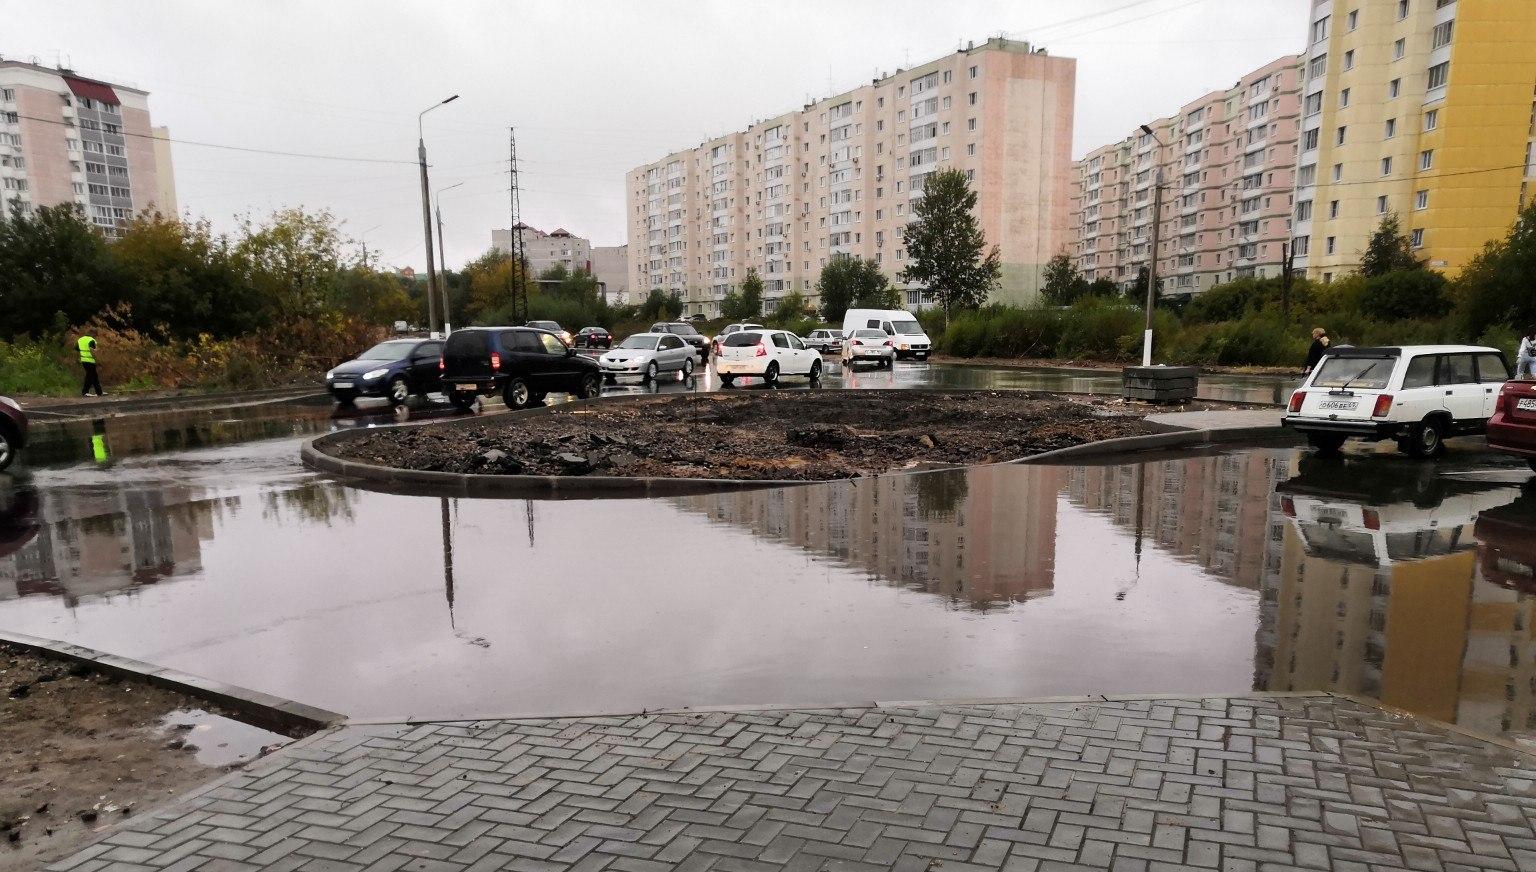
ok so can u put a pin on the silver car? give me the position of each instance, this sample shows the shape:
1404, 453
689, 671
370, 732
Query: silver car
648, 355
861, 346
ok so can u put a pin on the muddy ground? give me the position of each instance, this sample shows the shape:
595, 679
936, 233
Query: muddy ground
803, 436
80, 751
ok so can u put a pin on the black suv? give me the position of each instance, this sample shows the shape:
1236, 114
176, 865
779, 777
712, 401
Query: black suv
520, 363
686, 332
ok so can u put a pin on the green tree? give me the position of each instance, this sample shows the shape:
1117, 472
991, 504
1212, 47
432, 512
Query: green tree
1416, 294
748, 304
1063, 283
490, 279
184, 280
1388, 251
294, 259
54, 266
790, 308
848, 282
946, 249
377, 298
1103, 288
1495, 287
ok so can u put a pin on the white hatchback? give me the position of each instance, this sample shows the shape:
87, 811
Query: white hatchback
766, 354
1416, 394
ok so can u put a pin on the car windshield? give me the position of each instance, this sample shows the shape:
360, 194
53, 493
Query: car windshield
1365, 373
394, 350
907, 328
742, 338
870, 334
647, 343
545, 325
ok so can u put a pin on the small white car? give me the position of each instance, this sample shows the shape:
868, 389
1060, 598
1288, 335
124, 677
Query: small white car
862, 346
766, 354
648, 355
824, 340
1416, 394
719, 341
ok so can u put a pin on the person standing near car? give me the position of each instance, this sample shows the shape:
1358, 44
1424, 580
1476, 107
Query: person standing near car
87, 348
1319, 347
1525, 360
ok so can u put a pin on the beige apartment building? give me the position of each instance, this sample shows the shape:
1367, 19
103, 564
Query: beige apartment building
1420, 108
65, 138
544, 250
1227, 163
837, 178
610, 266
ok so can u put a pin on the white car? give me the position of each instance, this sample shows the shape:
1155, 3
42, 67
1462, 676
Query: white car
1416, 394
648, 355
719, 340
766, 354
861, 346
824, 340
907, 336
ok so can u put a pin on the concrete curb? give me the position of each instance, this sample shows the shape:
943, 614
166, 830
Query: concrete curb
256, 708
152, 405
1172, 440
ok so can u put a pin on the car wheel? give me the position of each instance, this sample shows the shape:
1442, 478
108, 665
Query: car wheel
771, 374
650, 372
687, 369
516, 394
591, 387
399, 391
1427, 440
7, 448
462, 402
1326, 443
815, 372
727, 380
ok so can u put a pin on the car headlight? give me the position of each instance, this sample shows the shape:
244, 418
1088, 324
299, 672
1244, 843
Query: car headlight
330, 375
372, 374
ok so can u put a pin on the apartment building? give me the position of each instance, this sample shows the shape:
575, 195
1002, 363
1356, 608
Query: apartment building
65, 138
545, 250
1226, 163
1420, 108
610, 266
837, 178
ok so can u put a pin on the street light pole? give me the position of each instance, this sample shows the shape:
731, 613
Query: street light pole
1157, 221
426, 211
442, 261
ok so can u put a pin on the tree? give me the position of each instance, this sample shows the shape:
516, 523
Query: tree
1063, 283
183, 280
791, 307
749, 303
490, 277
848, 282
1495, 288
1388, 251
294, 259
1137, 292
946, 249
1103, 288
54, 266
1406, 294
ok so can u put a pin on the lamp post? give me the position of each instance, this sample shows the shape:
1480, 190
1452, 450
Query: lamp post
1157, 221
442, 261
426, 211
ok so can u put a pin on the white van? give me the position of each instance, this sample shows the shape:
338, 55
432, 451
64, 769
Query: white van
1416, 394
910, 340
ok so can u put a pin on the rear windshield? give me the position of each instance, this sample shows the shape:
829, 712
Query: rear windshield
870, 334
682, 329
466, 342
1365, 373
907, 328
742, 338
645, 342
389, 350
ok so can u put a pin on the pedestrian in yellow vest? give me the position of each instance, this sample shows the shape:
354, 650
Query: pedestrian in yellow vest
87, 347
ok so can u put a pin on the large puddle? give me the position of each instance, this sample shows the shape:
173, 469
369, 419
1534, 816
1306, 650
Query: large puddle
1259, 569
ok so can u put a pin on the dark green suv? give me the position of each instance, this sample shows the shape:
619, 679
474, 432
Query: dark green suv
519, 363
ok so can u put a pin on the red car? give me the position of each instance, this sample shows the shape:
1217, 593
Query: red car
13, 430
1512, 429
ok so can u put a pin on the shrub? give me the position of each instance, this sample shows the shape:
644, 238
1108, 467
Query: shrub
1405, 294
27, 367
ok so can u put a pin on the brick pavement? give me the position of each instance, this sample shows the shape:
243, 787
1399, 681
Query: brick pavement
1233, 783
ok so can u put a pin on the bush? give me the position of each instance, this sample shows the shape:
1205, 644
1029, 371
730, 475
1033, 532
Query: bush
27, 367
1406, 294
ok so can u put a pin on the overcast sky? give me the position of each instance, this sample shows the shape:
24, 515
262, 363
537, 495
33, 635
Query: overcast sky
594, 88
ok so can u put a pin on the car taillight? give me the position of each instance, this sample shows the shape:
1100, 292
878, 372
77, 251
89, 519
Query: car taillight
442, 364
1297, 399
889, 343
762, 350
857, 342
495, 361
1288, 506
1383, 406
1371, 519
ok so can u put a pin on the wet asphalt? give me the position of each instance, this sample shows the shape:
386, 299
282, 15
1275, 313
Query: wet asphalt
197, 540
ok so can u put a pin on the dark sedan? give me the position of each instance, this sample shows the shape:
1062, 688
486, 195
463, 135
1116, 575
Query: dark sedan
13, 431
392, 370
593, 337
686, 332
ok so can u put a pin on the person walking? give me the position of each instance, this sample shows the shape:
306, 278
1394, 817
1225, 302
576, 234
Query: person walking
87, 347
1320, 343
1525, 360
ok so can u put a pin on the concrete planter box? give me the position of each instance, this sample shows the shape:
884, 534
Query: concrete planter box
1161, 384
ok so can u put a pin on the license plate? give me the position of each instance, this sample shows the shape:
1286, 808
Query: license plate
463, 387
1339, 405
340, 385
1526, 404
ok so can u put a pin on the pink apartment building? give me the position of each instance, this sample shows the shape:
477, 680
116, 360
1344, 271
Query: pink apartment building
838, 177
68, 139
1228, 165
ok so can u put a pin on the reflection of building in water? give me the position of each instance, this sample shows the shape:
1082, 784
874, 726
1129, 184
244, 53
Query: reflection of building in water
1212, 510
92, 543
980, 538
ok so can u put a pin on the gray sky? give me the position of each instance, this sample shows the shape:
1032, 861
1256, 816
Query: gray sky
594, 88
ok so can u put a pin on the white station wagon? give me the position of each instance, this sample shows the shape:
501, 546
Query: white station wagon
1416, 394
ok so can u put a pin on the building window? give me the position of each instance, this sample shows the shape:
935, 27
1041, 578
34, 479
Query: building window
1304, 210
1439, 75
1442, 35
1402, 9
1349, 59
1306, 176
1333, 209
1338, 172
1341, 134
1301, 245
1394, 88
970, 124
1332, 244
970, 175
1309, 139
973, 72
1381, 205
1427, 159
946, 76
7, 94
1417, 239
1314, 104
1391, 130
1421, 200
1320, 29
970, 148
1386, 166
1318, 66
1344, 98
1399, 49
971, 98
1432, 119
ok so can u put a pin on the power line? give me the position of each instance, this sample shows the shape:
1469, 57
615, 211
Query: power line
224, 147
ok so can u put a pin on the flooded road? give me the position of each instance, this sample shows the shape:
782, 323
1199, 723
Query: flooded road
200, 543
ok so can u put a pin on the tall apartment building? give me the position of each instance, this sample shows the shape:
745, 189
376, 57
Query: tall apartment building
1227, 162
544, 250
68, 139
837, 178
1417, 107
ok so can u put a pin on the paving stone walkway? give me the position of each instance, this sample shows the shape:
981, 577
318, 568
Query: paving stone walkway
1231, 783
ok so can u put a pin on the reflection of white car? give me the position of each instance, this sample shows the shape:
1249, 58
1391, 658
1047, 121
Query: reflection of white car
1417, 394
863, 346
766, 354
1382, 535
648, 355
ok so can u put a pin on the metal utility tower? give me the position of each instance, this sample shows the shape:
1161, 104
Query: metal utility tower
519, 272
